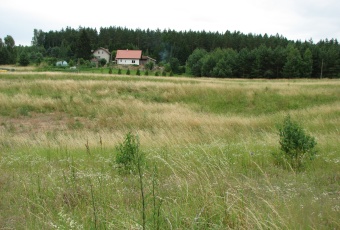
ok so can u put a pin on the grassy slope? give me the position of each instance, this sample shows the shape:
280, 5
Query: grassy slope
197, 133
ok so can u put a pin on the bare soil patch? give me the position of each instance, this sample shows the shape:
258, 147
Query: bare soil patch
36, 123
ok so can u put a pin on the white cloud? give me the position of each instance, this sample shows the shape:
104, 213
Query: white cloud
294, 19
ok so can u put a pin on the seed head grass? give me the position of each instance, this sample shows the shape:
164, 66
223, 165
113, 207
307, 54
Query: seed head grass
208, 147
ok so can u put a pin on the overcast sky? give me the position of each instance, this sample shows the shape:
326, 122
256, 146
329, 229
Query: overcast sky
293, 19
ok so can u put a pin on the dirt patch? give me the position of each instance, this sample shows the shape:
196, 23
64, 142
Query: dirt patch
35, 123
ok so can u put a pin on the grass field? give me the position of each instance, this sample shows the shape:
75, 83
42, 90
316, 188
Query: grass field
208, 145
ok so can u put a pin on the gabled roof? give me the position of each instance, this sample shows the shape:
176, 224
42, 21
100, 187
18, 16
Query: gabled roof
129, 54
101, 48
147, 58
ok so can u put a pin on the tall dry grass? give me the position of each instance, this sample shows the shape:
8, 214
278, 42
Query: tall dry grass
208, 145
166, 112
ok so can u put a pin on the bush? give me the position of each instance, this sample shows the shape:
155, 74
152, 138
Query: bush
71, 63
36, 57
149, 65
51, 61
102, 62
81, 61
167, 67
181, 69
87, 63
296, 146
129, 156
119, 71
23, 59
174, 65
127, 72
138, 72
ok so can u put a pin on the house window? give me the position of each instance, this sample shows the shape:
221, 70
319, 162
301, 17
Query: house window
98, 52
133, 61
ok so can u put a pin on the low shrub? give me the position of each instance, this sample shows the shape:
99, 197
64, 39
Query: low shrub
129, 157
297, 147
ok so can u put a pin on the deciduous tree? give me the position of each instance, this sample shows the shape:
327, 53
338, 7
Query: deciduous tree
195, 62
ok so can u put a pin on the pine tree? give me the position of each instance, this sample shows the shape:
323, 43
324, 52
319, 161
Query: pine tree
83, 46
293, 65
307, 65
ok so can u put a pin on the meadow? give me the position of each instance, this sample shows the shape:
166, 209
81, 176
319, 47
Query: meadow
208, 147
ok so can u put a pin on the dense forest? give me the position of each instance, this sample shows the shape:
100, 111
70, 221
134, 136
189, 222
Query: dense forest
209, 54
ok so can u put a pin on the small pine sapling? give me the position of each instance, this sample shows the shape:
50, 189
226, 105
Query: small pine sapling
297, 147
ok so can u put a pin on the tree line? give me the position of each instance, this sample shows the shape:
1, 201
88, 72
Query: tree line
260, 62
7, 50
211, 54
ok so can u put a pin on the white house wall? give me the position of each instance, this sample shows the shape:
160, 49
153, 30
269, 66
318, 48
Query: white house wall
102, 54
128, 61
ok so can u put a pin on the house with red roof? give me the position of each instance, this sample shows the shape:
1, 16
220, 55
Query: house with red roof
128, 57
132, 57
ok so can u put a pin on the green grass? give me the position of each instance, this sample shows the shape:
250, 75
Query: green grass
208, 145
99, 70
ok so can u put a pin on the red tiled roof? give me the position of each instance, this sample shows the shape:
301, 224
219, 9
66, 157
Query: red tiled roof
129, 54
